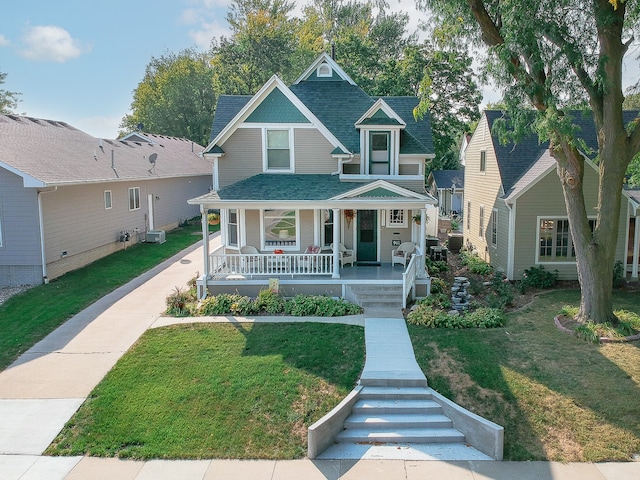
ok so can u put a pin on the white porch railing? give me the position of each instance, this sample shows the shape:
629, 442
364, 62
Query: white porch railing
409, 278
265, 264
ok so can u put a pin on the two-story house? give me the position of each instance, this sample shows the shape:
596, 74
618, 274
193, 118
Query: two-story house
317, 183
515, 215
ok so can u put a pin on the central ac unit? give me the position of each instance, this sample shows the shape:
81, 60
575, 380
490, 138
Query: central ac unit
155, 236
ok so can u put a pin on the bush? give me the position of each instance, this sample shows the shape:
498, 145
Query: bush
501, 294
178, 303
438, 285
269, 302
437, 300
475, 264
618, 274
538, 277
319, 305
216, 305
428, 316
435, 267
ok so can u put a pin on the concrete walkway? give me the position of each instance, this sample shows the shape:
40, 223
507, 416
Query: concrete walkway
45, 386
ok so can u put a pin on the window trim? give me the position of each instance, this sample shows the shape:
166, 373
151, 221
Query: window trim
387, 134
323, 228
228, 224
481, 233
324, 74
483, 161
397, 224
1, 238
468, 215
493, 222
108, 205
135, 200
265, 150
263, 239
571, 258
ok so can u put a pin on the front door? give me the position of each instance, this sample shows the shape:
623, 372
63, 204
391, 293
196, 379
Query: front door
367, 231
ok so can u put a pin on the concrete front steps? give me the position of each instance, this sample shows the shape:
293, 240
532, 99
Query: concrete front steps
398, 415
377, 297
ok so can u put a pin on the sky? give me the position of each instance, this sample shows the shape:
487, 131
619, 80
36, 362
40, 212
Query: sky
79, 61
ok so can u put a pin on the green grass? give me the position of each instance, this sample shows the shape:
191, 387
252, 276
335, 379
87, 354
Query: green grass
27, 318
217, 391
558, 397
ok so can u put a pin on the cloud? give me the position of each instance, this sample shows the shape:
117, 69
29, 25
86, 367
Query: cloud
51, 44
3, 41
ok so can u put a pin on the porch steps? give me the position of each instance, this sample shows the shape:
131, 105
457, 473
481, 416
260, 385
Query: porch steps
380, 297
393, 415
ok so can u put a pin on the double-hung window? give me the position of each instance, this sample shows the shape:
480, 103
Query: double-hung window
232, 228
107, 200
278, 157
481, 223
327, 227
483, 161
134, 198
494, 227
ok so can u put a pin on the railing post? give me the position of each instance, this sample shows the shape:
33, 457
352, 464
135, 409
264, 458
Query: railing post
205, 239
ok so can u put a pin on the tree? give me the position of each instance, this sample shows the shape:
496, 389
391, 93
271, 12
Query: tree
8, 100
263, 42
175, 97
556, 55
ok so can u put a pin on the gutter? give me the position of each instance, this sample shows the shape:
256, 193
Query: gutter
43, 257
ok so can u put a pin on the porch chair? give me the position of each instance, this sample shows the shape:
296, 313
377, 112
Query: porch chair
346, 255
402, 254
309, 262
252, 264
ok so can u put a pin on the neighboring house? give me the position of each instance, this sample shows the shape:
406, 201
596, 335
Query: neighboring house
67, 198
448, 187
316, 163
514, 214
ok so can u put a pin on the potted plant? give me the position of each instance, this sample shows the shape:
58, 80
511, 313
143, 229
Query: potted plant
349, 215
213, 218
417, 218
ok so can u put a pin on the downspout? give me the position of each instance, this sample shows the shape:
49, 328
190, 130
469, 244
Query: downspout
43, 256
342, 161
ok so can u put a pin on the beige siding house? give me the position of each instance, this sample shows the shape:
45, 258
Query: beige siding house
67, 198
515, 216
299, 168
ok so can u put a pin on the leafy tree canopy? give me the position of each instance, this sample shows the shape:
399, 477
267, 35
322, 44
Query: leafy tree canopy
175, 97
8, 100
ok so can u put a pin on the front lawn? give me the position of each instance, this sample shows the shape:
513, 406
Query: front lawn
558, 397
29, 317
217, 391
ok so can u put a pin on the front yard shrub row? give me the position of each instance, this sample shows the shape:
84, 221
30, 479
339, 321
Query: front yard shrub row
183, 303
428, 316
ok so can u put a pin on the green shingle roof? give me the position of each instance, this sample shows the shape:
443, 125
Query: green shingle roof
287, 186
276, 108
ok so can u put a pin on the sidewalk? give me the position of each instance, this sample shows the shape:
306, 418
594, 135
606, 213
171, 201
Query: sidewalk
46, 385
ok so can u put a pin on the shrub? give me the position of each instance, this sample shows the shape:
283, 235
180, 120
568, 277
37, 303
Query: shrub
501, 294
438, 285
269, 302
437, 300
568, 311
243, 305
618, 274
485, 318
538, 277
428, 316
178, 302
475, 264
319, 305
216, 305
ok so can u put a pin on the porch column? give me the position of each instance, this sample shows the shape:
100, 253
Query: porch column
423, 240
636, 248
336, 242
205, 240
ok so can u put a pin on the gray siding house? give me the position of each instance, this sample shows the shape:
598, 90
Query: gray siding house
514, 213
67, 198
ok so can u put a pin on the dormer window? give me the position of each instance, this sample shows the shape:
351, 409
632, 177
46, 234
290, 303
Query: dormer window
380, 155
324, 71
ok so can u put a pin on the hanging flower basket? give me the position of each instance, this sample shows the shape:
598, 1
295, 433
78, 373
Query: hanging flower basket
213, 218
349, 215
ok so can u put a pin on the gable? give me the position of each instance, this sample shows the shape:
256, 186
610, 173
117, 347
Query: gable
379, 192
276, 108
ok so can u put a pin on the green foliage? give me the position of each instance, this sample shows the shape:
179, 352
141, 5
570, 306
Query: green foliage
269, 302
8, 100
538, 277
475, 264
501, 293
618, 274
434, 267
175, 97
438, 285
428, 316
319, 306
441, 300
178, 302
569, 311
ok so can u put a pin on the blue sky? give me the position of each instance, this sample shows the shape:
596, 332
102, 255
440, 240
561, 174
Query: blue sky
79, 61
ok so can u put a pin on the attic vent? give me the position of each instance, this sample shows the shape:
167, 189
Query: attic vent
34, 120
14, 118
138, 143
109, 142
324, 70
